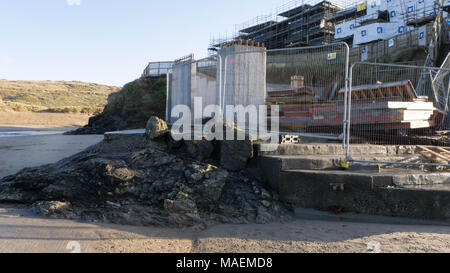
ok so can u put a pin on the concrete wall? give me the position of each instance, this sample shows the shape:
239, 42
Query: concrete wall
243, 80
243, 75
182, 86
206, 89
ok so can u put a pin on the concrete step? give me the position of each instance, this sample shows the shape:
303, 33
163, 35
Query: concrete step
325, 162
333, 149
390, 193
351, 217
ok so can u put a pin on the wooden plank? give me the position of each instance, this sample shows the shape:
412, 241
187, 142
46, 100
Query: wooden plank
410, 105
412, 115
404, 89
432, 158
380, 92
443, 150
420, 124
434, 153
292, 100
331, 90
292, 92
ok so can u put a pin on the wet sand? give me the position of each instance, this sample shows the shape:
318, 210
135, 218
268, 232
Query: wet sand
20, 152
36, 128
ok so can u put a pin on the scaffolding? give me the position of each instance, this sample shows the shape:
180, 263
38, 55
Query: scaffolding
314, 22
297, 23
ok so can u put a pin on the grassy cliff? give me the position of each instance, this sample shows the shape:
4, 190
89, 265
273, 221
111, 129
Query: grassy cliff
130, 108
51, 96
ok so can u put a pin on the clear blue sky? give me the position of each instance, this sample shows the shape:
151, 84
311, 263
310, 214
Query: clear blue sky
110, 41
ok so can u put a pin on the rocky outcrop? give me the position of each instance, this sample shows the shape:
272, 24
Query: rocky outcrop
130, 107
234, 155
156, 128
144, 182
199, 149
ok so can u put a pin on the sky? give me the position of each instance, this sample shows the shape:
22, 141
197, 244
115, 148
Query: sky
111, 41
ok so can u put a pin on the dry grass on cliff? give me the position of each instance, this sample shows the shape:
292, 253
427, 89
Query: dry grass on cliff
57, 97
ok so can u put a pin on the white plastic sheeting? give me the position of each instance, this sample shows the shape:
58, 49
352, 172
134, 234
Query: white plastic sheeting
420, 8
422, 36
345, 29
446, 3
377, 31
396, 9
374, 6
400, 11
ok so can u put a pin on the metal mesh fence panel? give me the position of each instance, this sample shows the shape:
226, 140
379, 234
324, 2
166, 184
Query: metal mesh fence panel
401, 105
306, 83
441, 82
156, 69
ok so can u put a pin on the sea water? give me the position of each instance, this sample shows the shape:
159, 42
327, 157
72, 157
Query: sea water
27, 133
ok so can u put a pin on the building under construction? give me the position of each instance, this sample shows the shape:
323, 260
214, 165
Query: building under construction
304, 23
299, 26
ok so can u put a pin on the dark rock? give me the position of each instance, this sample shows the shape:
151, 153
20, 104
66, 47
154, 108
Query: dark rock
54, 208
182, 212
151, 157
234, 155
264, 216
199, 149
172, 144
211, 188
266, 203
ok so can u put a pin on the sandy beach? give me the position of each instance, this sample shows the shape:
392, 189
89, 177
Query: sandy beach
21, 231
42, 120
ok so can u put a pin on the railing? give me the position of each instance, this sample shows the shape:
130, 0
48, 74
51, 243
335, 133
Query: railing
157, 69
